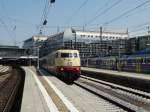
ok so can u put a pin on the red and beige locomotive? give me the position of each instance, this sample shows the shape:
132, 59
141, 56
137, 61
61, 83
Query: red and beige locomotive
63, 63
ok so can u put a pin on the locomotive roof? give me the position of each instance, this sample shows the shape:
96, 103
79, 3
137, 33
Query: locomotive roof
67, 50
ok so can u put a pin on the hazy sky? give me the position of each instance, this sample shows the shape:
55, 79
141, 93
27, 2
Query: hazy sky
19, 19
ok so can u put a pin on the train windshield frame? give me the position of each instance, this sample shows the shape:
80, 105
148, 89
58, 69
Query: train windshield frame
69, 55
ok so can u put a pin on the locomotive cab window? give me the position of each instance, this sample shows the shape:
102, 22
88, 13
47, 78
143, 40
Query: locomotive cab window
64, 55
69, 55
75, 55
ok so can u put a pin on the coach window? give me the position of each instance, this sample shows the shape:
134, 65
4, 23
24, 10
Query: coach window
147, 60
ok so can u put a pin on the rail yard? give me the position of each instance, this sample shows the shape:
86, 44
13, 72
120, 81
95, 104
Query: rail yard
88, 93
74, 56
11, 86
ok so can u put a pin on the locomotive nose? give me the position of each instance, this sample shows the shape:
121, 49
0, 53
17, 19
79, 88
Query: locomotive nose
69, 63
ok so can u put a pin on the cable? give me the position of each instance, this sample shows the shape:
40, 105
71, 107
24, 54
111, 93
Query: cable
42, 17
136, 30
20, 21
6, 28
140, 25
4, 9
104, 11
140, 30
96, 13
125, 13
43, 22
44, 11
9, 22
139, 33
75, 13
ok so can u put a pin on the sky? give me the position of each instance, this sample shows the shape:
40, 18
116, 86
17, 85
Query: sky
20, 19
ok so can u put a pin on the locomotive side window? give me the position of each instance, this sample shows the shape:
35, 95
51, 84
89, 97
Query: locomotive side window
56, 55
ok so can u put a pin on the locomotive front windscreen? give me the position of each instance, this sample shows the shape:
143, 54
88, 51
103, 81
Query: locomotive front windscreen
69, 55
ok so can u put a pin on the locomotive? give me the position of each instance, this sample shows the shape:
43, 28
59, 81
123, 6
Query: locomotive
63, 63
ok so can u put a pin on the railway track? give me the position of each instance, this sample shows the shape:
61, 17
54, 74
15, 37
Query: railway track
4, 70
9, 89
128, 99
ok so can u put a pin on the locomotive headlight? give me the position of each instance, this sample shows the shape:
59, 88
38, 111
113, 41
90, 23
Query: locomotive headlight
61, 69
77, 68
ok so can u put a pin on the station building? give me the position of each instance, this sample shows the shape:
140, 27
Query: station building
89, 43
34, 42
10, 51
138, 44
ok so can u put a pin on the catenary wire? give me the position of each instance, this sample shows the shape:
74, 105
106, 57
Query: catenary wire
7, 30
104, 11
76, 12
125, 13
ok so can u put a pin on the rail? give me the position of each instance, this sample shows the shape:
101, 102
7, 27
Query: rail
9, 88
127, 98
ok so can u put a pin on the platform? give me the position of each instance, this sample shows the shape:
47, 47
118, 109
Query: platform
133, 80
32, 101
118, 73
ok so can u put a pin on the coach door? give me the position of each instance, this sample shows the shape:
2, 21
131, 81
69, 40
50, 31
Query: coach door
138, 64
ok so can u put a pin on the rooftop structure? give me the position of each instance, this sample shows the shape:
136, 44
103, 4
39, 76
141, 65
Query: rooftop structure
89, 43
11, 47
34, 42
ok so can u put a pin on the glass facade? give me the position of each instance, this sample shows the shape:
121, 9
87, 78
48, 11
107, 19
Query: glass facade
88, 43
140, 43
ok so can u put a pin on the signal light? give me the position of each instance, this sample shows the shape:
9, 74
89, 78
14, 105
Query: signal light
77, 68
61, 69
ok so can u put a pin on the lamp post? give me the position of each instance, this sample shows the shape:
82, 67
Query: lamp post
75, 38
100, 42
119, 54
75, 41
119, 58
37, 53
38, 64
